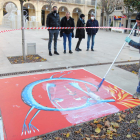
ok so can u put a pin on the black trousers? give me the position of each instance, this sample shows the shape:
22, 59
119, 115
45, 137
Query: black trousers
78, 43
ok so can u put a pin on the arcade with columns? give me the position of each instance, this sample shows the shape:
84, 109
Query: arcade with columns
41, 9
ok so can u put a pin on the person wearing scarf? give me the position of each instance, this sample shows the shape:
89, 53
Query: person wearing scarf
80, 33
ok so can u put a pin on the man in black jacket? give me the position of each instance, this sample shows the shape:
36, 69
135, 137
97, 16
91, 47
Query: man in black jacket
91, 31
53, 20
67, 21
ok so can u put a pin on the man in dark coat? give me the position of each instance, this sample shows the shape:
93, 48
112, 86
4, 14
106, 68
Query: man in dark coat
137, 46
91, 31
67, 21
53, 20
80, 33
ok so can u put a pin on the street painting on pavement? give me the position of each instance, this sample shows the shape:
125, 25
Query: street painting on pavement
37, 104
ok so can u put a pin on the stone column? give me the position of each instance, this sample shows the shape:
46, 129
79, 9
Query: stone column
86, 11
86, 17
70, 10
38, 9
38, 17
46, 14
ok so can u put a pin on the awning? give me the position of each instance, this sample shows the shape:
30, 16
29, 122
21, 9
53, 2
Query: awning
119, 17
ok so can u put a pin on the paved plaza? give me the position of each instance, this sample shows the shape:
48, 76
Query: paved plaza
107, 45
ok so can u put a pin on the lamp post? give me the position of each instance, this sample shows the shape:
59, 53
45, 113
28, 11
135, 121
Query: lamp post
23, 33
95, 8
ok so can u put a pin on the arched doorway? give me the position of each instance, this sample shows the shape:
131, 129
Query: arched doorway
44, 12
29, 10
62, 11
4, 7
76, 13
89, 13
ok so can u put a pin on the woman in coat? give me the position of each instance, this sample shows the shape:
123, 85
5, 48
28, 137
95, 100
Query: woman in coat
80, 33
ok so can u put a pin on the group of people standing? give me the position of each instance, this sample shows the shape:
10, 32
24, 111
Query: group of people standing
53, 20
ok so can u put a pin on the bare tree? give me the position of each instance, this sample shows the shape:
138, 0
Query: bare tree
108, 6
129, 10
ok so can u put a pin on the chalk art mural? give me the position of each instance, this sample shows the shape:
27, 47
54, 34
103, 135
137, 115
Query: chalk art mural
58, 100
42, 103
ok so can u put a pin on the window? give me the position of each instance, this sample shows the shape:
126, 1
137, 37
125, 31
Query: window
78, 1
118, 8
63, 0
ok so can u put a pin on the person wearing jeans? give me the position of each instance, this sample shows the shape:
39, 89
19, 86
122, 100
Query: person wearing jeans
92, 37
91, 31
65, 36
53, 20
67, 21
137, 46
52, 33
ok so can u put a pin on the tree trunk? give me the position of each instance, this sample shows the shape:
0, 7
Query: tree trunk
129, 24
103, 17
23, 34
107, 21
101, 20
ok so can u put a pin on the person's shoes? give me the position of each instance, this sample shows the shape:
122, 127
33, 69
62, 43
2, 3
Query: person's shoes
64, 51
70, 52
136, 95
92, 50
80, 49
87, 49
50, 54
55, 52
77, 49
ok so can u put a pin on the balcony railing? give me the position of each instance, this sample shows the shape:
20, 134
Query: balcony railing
72, 1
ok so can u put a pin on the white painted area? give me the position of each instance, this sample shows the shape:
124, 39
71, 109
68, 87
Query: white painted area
117, 30
1, 130
90, 113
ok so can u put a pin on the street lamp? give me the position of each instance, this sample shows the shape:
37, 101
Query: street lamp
76, 10
95, 8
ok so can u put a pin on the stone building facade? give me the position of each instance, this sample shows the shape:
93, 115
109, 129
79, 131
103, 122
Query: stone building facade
40, 9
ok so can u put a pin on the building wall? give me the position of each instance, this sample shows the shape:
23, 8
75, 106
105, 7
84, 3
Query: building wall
85, 8
123, 21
